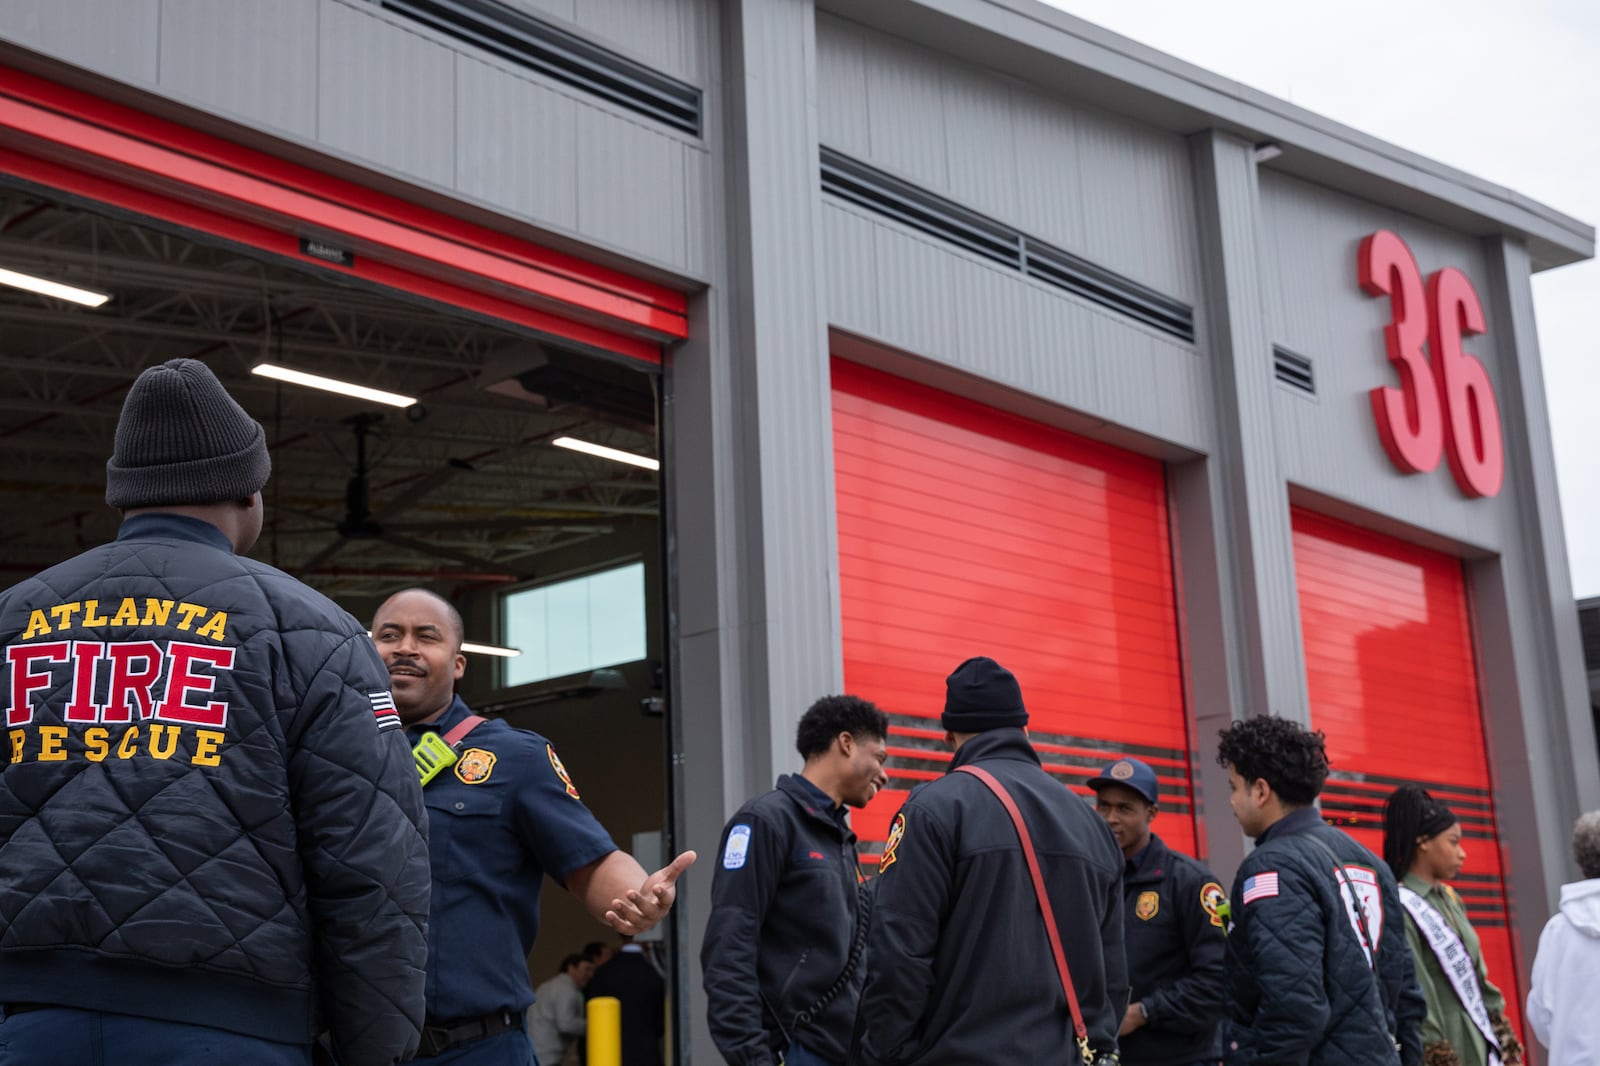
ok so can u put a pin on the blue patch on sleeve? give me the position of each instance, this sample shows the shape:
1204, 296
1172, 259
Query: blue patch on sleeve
738, 847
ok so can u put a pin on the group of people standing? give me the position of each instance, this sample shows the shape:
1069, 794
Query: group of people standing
1008, 923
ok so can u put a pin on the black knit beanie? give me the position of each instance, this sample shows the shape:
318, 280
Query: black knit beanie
182, 439
981, 695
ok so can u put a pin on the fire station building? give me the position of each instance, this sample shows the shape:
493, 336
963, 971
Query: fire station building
953, 327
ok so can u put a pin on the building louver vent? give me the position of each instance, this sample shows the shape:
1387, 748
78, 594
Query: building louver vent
562, 56
1293, 370
875, 191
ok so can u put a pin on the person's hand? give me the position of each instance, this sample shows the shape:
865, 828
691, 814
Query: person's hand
650, 902
1132, 1018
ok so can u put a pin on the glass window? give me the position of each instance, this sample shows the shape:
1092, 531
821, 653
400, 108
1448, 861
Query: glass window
575, 626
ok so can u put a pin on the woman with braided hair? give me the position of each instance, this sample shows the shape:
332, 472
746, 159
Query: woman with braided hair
1466, 1023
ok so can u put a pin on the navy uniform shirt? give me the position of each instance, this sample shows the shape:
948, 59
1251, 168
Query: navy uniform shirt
500, 818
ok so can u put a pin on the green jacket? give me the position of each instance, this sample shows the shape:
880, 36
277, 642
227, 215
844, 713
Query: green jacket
1447, 1019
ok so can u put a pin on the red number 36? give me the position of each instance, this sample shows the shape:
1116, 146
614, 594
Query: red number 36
1445, 404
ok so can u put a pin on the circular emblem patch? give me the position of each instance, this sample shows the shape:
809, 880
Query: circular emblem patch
1214, 901
897, 833
475, 766
1122, 770
1149, 903
561, 772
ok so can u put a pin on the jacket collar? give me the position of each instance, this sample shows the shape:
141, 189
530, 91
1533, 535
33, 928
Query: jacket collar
815, 802
1157, 858
457, 710
1296, 821
1006, 743
161, 525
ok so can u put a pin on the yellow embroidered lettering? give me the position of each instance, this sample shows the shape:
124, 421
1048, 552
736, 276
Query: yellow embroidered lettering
216, 627
190, 612
92, 616
95, 744
50, 738
156, 612
131, 737
38, 626
63, 613
19, 737
127, 614
158, 749
207, 741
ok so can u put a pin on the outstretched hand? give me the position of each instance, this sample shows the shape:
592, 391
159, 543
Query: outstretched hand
641, 908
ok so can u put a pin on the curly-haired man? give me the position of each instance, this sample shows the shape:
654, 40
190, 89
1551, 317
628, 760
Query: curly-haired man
1315, 973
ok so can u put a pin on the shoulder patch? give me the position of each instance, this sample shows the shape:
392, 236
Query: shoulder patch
561, 771
1148, 906
1214, 901
383, 708
1261, 886
474, 766
897, 833
737, 849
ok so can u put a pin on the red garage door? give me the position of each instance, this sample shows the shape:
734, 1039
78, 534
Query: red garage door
1394, 684
967, 531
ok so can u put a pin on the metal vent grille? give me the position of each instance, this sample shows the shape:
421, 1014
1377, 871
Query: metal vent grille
1293, 370
859, 184
559, 55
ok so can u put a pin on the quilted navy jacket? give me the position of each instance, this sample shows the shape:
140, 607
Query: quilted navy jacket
1300, 989
208, 810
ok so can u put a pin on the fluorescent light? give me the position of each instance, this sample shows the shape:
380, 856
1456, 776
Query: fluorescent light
86, 297
343, 388
615, 455
490, 649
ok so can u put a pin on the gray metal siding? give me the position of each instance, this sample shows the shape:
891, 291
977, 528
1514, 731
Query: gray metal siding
121, 40
1115, 192
248, 59
673, 36
890, 285
1315, 306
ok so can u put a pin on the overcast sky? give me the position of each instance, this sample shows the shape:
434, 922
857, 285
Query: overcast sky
1509, 93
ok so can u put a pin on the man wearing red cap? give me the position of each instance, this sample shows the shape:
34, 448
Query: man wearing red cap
960, 967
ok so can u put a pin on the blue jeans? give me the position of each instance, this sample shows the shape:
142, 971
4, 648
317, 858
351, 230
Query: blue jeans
59, 1036
508, 1049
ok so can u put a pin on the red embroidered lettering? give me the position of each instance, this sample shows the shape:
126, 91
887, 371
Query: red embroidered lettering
85, 655
25, 681
131, 685
182, 679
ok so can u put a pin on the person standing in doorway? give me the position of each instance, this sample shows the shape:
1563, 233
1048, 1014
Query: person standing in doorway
631, 978
1316, 970
1173, 909
1466, 1021
503, 812
782, 949
559, 1017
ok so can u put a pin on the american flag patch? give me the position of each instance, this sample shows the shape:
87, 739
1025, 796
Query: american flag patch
383, 707
1261, 886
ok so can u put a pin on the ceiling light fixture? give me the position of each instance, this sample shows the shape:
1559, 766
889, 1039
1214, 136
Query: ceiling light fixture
343, 388
86, 297
614, 454
490, 649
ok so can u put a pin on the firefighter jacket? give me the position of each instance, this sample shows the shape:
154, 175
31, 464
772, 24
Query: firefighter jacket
785, 906
208, 812
1173, 910
1300, 986
959, 967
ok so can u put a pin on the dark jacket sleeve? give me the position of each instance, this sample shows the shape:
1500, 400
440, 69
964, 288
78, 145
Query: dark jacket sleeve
730, 952
1113, 947
912, 902
362, 837
1194, 1002
1283, 938
1402, 994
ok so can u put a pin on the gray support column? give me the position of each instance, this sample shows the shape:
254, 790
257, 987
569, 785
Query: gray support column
1239, 577
749, 440
1548, 714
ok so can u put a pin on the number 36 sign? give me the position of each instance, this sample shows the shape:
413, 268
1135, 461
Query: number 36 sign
1444, 402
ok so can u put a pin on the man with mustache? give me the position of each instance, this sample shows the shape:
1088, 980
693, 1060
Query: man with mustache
782, 949
502, 814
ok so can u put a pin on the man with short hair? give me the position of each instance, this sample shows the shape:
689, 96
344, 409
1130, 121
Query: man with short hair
210, 828
503, 812
1566, 971
782, 946
631, 978
1317, 967
559, 1015
959, 967
1173, 909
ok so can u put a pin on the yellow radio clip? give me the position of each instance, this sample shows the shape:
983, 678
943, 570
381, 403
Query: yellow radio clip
432, 756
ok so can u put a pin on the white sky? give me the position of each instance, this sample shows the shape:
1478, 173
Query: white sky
1509, 93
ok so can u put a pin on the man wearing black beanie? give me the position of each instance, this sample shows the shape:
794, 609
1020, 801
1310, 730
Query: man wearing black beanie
211, 831
960, 966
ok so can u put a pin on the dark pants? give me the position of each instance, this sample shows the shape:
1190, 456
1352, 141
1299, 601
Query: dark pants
57, 1036
799, 1055
507, 1049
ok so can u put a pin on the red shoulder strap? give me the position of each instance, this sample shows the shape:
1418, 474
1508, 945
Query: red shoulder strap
1045, 909
459, 732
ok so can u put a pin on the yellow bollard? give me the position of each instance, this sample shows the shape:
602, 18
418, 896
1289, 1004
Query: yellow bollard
605, 1031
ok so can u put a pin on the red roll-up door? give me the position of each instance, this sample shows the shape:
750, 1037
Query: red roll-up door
1394, 684
966, 531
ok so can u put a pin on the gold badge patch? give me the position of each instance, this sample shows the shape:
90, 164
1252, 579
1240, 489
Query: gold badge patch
1215, 902
474, 766
897, 833
561, 772
1149, 903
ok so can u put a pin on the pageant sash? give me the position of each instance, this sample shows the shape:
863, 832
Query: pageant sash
1456, 962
